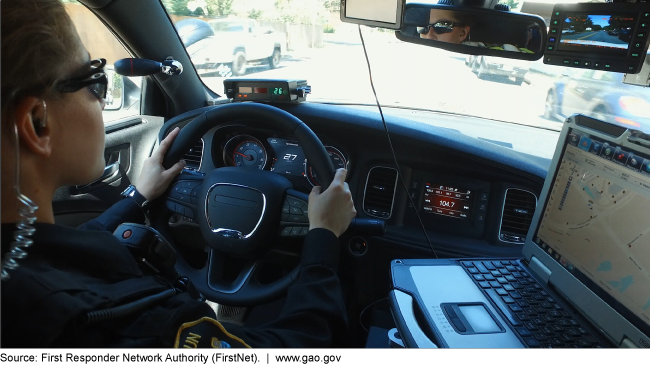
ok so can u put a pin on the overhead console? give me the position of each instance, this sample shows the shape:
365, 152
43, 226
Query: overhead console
609, 36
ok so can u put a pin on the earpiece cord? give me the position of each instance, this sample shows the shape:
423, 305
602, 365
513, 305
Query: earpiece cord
390, 143
24, 228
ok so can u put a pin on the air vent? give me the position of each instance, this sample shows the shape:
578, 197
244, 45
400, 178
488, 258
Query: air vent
518, 210
380, 192
193, 157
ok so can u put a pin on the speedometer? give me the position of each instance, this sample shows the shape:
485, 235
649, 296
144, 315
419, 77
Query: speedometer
338, 159
245, 151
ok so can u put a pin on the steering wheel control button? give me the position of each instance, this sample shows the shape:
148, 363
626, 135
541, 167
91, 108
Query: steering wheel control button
171, 206
190, 184
304, 230
127, 234
295, 231
296, 210
298, 219
286, 231
286, 209
294, 202
189, 213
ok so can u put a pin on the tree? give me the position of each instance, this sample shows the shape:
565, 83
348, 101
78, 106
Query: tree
299, 12
198, 12
219, 8
332, 5
512, 3
179, 7
255, 14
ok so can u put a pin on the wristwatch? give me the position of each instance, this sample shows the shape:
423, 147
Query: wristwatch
133, 194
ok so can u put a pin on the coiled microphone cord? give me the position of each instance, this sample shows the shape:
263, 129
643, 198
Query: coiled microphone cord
24, 228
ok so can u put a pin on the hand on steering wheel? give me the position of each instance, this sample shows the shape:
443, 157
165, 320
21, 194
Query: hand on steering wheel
334, 208
154, 178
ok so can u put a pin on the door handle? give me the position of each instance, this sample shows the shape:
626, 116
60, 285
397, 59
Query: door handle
110, 171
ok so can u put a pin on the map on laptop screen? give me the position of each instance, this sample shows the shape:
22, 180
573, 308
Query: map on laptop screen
596, 222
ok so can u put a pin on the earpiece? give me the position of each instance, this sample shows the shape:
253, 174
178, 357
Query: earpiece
40, 123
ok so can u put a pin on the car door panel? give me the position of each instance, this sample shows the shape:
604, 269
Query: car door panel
128, 143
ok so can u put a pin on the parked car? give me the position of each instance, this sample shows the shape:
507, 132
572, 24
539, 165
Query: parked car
228, 46
599, 94
625, 34
495, 68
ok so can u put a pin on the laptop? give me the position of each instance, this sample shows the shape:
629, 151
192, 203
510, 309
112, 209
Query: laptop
584, 277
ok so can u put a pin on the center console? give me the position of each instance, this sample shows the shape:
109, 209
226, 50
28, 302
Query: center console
449, 204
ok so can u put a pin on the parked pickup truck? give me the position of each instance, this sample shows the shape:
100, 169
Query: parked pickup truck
227, 46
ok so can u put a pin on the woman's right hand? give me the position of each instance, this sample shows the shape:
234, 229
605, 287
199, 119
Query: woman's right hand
333, 209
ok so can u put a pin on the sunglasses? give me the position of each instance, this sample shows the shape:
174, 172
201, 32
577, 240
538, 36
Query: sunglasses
440, 27
95, 80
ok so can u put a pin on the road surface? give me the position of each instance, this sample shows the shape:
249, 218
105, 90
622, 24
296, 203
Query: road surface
597, 36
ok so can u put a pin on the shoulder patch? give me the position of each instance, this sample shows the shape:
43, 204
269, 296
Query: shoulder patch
205, 333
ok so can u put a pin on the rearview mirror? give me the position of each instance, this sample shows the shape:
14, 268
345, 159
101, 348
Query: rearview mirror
474, 31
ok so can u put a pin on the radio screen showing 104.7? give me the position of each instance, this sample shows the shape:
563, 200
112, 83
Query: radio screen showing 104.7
447, 201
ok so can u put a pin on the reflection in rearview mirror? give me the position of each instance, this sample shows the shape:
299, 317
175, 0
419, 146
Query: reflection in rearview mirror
443, 26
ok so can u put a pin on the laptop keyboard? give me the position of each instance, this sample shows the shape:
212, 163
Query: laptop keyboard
532, 312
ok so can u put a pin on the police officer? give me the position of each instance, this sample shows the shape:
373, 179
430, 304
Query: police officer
53, 136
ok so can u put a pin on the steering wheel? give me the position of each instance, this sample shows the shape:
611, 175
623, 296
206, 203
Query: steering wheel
239, 210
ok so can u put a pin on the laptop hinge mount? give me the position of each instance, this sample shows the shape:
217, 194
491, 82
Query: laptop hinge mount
627, 343
540, 269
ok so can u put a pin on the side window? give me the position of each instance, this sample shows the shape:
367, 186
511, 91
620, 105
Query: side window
123, 96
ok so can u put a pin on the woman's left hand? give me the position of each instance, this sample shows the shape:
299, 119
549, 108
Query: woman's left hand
154, 179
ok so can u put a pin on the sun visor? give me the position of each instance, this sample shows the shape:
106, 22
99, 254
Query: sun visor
543, 10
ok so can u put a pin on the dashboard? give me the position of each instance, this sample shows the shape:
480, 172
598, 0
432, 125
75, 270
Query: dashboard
474, 198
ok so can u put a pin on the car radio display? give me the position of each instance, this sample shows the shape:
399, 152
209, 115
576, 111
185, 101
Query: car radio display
447, 201
610, 33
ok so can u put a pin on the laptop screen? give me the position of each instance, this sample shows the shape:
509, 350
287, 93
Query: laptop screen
596, 222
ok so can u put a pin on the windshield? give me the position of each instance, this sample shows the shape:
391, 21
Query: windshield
306, 40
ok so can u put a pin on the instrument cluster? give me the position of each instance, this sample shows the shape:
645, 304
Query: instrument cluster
275, 153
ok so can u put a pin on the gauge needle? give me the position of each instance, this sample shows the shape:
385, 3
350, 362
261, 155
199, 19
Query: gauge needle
248, 157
